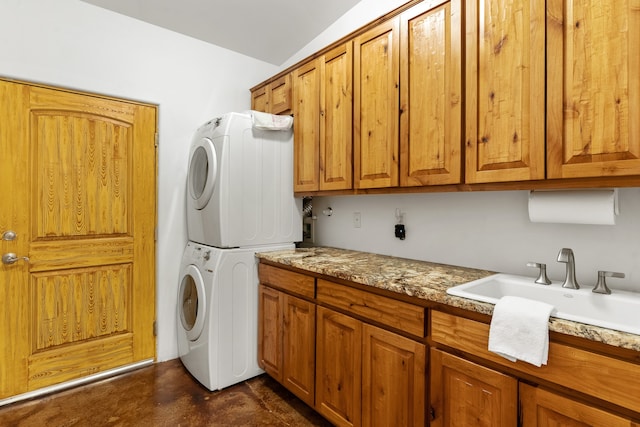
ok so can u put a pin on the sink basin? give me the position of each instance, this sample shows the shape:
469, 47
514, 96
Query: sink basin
619, 310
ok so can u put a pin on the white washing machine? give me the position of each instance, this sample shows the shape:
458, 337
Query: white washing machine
240, 185
218, 313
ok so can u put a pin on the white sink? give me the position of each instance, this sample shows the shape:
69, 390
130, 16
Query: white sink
620, 310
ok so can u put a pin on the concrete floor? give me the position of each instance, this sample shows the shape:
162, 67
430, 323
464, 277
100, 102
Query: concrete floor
164, 395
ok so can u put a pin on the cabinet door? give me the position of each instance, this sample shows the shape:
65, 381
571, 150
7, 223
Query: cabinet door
259, 99
466, 394
298, 370
280, 95
393, 379
306, 132
593, 98
270, 323
505, 73
376, 109
431, 98
336, 119
338, 367
542, 408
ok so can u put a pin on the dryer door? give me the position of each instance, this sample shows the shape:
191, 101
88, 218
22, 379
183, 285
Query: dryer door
203, 168
192, 302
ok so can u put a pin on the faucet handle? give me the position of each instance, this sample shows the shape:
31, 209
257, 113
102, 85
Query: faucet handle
601, 287
542, 275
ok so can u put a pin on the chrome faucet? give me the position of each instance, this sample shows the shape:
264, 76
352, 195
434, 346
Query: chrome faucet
566, 256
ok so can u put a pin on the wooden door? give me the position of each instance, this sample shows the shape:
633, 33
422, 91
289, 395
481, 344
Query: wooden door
306, 132
338, 367
593, 88
431, 94
542, 408
79, 174
466, 394
505, 71
393, 379
270, 323
336, 119
299, 345
376, 109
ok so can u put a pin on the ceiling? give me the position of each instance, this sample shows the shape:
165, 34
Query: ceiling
268, 30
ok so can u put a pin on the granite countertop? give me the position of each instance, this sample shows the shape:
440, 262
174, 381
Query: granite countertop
424, 280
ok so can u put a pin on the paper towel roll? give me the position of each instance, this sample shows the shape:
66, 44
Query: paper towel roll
574, 207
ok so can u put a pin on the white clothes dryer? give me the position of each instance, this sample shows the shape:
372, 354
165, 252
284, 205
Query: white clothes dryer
240, 185
218, 313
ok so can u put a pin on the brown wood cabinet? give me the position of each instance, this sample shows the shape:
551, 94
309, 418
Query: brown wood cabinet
606, 378
273, 97
306, 130
322, 107
505, 60
365, 374
593, 88
286, 331
339, 367
393, 379
464, 393
376, 109
543, 408
336, 118
431, 94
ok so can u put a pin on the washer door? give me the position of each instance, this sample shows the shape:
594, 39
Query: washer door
203, 168
192, 302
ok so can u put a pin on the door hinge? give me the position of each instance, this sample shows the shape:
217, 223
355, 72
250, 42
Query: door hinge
155, 328
155, 233
157, 139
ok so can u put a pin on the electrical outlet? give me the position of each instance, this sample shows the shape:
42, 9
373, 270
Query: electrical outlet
357, 220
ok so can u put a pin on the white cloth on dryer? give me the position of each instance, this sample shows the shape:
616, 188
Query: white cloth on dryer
266, 121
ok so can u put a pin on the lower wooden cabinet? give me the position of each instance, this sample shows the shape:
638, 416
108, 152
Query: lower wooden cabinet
338, 367
366, 375
286, 341
467, 394
393, 379
543, 408
350, 371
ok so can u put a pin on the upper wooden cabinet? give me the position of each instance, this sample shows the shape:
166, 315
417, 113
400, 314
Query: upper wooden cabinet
323, 111
273, 97
430, 94
306, 128
376, 109
505, 60
336, 118
593, 88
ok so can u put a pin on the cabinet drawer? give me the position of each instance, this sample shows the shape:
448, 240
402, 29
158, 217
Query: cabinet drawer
286, 280
597, 375
386, 311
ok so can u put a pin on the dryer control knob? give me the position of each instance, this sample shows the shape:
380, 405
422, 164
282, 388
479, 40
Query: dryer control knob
207, 255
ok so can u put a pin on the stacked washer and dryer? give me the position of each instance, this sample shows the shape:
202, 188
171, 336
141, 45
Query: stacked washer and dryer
239, 202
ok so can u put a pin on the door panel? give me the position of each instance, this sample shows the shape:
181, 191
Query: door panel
86, 219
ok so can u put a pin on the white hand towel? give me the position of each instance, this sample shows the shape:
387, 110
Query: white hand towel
266, 121
520, 330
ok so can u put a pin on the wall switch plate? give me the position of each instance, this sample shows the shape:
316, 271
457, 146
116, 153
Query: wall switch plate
401, 232
357, 220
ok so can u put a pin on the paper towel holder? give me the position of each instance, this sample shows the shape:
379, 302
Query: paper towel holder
588, 206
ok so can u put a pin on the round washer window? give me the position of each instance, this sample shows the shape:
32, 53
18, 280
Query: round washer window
189, 303
202, 173
192, 302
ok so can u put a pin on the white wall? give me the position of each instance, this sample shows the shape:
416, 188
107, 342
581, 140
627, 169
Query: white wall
76, 45
359, 15
489, 230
